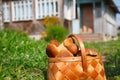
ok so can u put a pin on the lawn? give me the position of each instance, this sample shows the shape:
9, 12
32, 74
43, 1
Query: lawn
22, 58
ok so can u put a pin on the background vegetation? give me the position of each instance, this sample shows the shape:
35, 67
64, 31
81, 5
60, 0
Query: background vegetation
57, 32
54, 30
22, 58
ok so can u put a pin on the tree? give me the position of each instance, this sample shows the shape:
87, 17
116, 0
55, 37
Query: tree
1, 19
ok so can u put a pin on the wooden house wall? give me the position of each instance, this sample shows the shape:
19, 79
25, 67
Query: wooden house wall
87, 1
69, 9
106, 24
29, 27
69, 14
1, 19
25, 10
27, 15
98, 17
110, 24
19, 11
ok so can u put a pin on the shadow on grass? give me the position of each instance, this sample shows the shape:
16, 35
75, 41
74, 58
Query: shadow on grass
112, 65
45, 73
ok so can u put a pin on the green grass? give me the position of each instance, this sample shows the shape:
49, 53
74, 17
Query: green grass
22, 58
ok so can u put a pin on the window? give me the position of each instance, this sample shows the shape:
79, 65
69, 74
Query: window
98, 10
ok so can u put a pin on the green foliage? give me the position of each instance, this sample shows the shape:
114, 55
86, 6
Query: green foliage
50, 21
117, 77
57, 32
54, 30
21, 58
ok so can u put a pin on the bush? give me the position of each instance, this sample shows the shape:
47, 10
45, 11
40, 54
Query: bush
53, 29
57, 32
50, 21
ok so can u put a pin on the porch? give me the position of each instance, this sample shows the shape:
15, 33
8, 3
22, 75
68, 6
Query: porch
92, 19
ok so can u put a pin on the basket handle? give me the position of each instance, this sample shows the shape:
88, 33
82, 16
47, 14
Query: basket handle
83, 54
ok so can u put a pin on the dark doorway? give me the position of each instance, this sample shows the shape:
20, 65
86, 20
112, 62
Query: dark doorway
86, 13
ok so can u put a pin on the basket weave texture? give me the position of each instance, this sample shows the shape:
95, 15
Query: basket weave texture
76, 68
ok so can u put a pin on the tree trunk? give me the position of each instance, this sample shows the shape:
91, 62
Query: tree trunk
1, 18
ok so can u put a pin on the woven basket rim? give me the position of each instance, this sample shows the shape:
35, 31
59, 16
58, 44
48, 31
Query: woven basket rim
71, 59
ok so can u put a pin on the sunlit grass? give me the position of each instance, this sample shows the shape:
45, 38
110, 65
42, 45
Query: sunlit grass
21, 57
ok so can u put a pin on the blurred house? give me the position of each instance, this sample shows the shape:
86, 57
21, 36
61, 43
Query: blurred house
92, 20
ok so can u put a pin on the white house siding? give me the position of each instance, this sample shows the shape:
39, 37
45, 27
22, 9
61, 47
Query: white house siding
69, 9
1, 19
70, 15
76, 26
47, 8
106, 24
98, 19
6, 12
110, 22
23, 10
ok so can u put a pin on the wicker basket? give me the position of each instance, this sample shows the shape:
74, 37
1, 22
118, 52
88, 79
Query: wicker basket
76, 68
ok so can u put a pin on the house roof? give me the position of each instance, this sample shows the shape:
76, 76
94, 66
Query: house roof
112, 5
